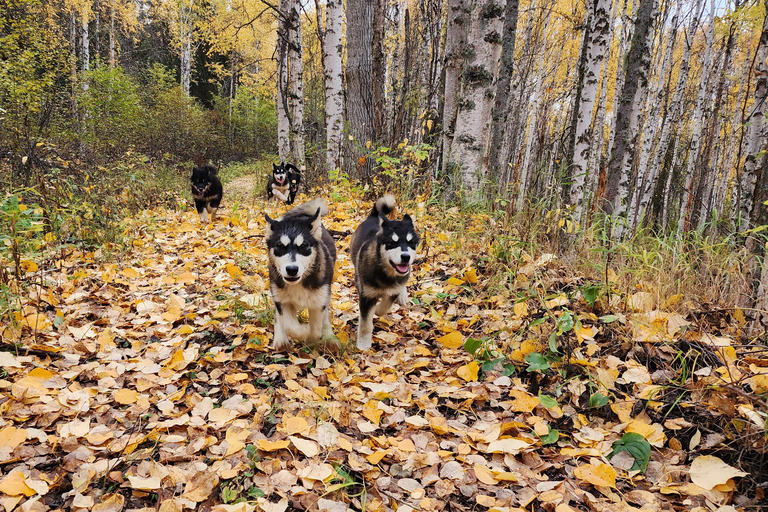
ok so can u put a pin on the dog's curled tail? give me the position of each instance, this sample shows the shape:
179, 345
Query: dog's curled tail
385, 204
309, 209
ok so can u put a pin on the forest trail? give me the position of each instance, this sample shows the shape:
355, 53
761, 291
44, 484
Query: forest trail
150, 382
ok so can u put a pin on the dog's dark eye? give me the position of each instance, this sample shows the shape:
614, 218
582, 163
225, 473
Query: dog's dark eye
304, 246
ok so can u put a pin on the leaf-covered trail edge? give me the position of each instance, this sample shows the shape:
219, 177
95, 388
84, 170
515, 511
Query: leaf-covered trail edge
147, 381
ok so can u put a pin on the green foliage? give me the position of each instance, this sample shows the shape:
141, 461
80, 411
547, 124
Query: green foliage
536, 362
637, 446
20, 226
402, 168
598, 400
551, 437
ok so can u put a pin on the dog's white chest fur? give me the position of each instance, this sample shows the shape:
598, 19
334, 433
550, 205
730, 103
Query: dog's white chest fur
301, 297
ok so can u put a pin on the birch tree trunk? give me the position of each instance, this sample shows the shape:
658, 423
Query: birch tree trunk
595, 49
477, 90
85, 45
657, 98
360, 104
112, 56
501, 104
683, 222
625, 36
334, 92
672, 119
296, 81
185, 40
283, 105
455, 43
755, 132
638, 62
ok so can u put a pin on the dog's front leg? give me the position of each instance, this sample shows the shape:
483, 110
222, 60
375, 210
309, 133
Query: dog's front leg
402, 297
200, 206
283, 197
365, 323
382, 308
281, 341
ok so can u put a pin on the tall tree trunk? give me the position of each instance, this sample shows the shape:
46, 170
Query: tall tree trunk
378, 69
283, 104
85, 46
625, 36
715, 141
360, 101
683, 222
112, 56
658, 97
501, 103
185, 39
334, 92
672, 118
755, 131
455, 44
477, 90
636, 77
595, 43
296, 81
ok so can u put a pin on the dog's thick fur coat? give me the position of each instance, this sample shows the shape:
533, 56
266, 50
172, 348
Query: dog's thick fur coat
284, 182
382, 252
302, 255
206, 191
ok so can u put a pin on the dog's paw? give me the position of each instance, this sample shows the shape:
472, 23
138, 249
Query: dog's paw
382, 308
364, 342
402, 297
282, 345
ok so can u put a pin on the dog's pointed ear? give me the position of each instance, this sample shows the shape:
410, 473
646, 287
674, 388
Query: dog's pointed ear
270, 222
274, 167
407, 218
316, 225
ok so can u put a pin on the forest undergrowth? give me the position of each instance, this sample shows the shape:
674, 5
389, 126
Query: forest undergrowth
533, 369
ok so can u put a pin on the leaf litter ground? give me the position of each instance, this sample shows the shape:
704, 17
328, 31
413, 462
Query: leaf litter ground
145, 381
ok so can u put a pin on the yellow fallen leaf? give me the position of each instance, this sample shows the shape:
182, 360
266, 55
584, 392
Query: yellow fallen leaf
270, 446
110, 503
235, 438
521, 309
471, 276
37, 322
12, 437
125, 396
14, 484
451, 340
376, 456
507, 445
307, 447
234, 271
601, 474
29, 266
485, 501
523, 402
708, 471
130, 273
468, 372
145, 484
485, 475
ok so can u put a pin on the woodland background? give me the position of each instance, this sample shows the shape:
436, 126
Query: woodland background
591, 185
642, 116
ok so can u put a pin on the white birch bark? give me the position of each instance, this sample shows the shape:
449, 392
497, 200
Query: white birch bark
755, 133
698, 114
627, 117
673, 117
477, 89
283, 109
455, 42
595, 50
641, 198
334, 92
625, 37
296, 77
112, 56
185, 40
85, 45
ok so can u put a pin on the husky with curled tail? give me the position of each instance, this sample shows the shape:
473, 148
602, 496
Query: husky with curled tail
382, 252
302, 254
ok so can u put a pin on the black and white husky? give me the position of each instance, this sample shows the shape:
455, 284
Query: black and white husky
382, 252
301, 258
284, 182
206, 191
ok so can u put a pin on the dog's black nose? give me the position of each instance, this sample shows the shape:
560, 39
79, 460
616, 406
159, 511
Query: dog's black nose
405, 257
292, 270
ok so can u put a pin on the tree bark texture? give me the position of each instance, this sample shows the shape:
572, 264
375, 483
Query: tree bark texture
360, 99
459, 15
283, 104
636, 77
478, 81
334, 92
296, 81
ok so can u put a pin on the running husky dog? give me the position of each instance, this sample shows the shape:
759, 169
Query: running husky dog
301, 258
382, 251
207, 191
284, 182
